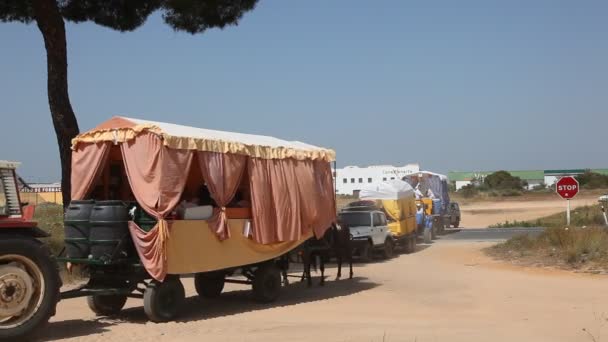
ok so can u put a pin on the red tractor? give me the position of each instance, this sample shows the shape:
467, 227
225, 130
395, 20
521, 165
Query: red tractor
29, 278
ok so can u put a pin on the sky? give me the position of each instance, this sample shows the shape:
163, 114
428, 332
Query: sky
452, 85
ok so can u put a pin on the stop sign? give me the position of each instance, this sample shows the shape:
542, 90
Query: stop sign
567, 187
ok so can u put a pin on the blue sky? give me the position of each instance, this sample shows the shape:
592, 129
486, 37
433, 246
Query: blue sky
453, 85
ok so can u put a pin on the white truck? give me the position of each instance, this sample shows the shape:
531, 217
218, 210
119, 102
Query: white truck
369, 231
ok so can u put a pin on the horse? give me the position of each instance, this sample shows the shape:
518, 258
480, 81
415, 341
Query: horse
336, 240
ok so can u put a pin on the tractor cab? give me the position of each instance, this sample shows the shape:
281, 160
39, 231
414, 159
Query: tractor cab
13, 214
10, 205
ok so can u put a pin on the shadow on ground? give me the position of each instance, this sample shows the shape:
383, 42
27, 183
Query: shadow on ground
229, 304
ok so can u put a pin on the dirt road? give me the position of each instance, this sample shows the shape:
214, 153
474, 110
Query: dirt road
483, 214
446, 292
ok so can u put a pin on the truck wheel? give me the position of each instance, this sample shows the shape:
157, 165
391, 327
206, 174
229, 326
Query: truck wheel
428, 235
106, 305
163, 301
367, 252
412, 244
389, 248
266, 283
209, 285
441, 229
29, 287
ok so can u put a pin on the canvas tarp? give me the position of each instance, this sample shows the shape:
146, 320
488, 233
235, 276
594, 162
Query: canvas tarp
436, 182
397, 199
291, 184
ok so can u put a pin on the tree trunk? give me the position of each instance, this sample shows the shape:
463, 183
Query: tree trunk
51, 25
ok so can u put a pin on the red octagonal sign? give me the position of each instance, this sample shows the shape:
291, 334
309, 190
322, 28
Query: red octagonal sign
567, 187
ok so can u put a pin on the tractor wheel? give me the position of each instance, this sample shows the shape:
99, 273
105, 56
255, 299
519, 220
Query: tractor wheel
29, 287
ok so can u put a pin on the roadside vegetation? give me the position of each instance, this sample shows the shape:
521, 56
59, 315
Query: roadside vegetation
585, 216
573, 248
50, 219
503, 184
498, 184
582, 246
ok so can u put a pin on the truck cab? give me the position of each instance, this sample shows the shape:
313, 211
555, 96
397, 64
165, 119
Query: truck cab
369, 232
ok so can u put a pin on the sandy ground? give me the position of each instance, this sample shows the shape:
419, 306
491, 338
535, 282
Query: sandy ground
449, 291
483, 214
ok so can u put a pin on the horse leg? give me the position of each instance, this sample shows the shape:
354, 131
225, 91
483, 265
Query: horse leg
350, 261
284, 268
305, 266
339, 260
322, 267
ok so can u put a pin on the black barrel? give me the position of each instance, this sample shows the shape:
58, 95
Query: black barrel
76, 227
109, 235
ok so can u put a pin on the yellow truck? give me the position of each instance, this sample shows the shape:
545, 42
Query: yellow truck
397, 200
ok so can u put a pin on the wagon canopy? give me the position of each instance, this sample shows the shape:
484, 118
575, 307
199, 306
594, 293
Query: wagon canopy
289, 182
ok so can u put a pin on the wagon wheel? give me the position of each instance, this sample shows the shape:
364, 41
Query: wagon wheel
209, 285
267, 283
163, 301
106, 305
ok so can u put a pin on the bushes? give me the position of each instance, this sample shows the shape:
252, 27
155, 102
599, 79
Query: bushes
592, 180
468, 191
502, 180
498, 184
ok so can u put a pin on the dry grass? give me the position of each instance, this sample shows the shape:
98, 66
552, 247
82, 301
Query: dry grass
585, 216
50, 219
575, 248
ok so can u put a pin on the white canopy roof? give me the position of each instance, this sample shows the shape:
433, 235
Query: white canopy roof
121, 129
388, 190
209, 134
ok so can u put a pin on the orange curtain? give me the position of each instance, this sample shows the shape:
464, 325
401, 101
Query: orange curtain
87, 165
326, 196
222, 172
157, 176
289, 198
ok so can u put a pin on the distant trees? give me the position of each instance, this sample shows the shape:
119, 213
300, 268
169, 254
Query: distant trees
593, 180
503, 180
192, 16
500, 183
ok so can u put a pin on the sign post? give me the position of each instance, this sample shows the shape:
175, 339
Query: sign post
567, 188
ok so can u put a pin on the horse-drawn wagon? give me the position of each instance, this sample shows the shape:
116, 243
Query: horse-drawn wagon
154, 201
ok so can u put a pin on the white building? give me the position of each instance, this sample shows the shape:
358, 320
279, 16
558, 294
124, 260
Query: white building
350, 179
